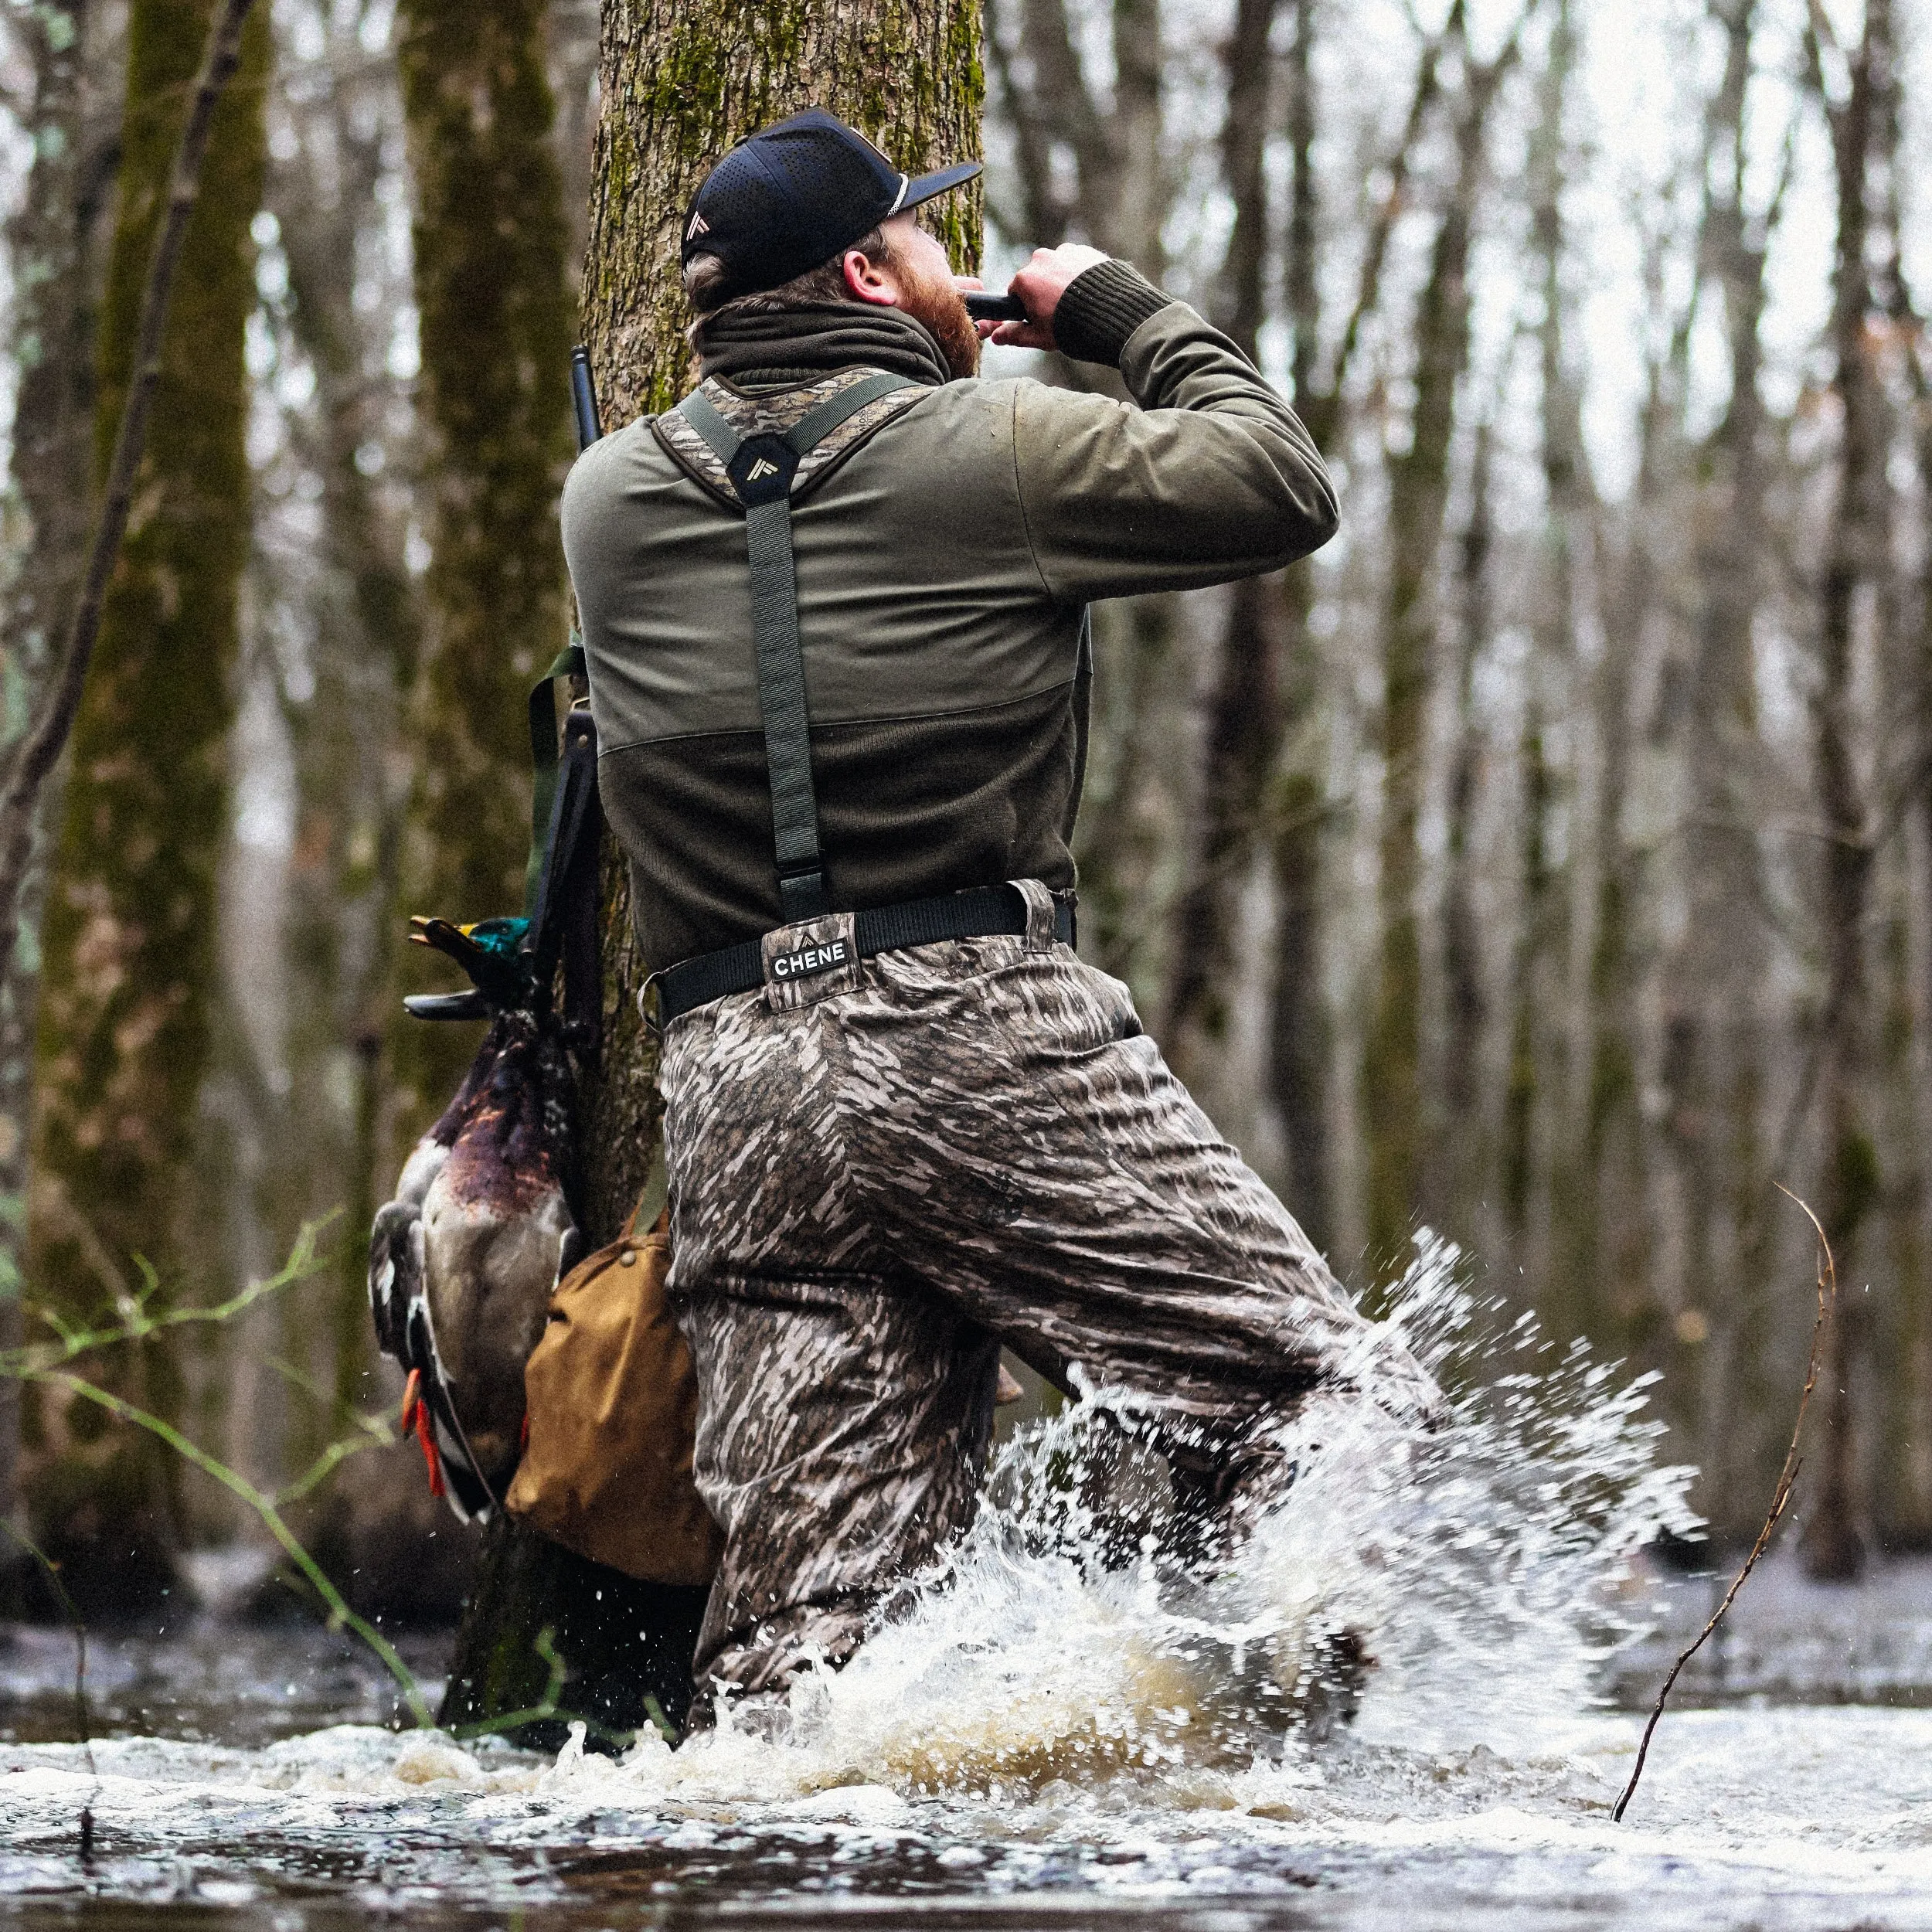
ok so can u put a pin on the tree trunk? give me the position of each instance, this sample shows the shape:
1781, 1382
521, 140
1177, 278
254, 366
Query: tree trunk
1243, 726
1613, 1234
1716, 976
389, 1544
1297, 1073
1835, 1536
1903, 1346
494, 295
1914, 1426
56, 245
492, 286
1418, 496
130, 925
1538, 1186
679, 85
1118, 198
1462, 1161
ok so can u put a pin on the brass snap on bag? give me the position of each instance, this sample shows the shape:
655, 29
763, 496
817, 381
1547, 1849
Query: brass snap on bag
613, 1414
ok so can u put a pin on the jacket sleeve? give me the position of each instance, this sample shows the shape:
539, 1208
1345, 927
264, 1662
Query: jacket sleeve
1211, 478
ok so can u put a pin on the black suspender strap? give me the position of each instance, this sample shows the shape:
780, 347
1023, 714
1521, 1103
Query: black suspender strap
761, 469
545, 726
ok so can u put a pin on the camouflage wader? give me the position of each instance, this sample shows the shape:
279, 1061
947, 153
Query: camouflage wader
880, 1174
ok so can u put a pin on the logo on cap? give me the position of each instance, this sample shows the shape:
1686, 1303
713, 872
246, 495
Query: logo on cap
799, 193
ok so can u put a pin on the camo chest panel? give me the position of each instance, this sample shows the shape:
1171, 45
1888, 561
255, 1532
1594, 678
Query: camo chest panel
772, 415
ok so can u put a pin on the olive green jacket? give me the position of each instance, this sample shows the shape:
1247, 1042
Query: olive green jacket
947, 545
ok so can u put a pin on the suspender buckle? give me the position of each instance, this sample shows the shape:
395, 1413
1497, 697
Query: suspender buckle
802, 895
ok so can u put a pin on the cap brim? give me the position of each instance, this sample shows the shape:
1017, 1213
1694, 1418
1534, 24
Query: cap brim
924, 188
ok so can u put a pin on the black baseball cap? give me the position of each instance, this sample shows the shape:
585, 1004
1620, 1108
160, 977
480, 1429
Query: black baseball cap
793, 195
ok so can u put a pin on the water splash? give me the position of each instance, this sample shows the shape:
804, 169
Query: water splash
1058, 1713
1482, 1565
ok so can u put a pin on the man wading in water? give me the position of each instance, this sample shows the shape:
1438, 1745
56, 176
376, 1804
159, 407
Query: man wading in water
904, 1123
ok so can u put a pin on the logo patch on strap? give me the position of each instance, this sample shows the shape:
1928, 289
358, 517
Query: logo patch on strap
815, 959
806, 961
761, 472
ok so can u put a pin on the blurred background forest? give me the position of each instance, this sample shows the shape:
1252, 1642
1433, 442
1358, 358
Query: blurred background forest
1549, 863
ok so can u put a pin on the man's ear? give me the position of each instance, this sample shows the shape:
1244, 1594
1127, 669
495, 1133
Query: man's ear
867, 281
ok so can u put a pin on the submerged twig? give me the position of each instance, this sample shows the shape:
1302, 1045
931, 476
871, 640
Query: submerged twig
48, 1363
1780, 1496
547, 1709
83, 1720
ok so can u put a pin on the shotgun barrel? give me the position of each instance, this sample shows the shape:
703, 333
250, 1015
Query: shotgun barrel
583, 399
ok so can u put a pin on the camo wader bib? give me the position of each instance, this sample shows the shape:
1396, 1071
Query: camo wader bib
896, 1140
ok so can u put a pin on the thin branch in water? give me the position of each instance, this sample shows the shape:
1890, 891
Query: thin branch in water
1780, 1496
46, 1364
344, 1413
377, 1435
547, 1708
82, 1718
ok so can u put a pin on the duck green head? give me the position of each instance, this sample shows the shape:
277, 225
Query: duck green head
501, 938
490, 950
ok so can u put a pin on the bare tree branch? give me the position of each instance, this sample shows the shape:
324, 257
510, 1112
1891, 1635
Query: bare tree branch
1375, 254
41, 750
1780, 1496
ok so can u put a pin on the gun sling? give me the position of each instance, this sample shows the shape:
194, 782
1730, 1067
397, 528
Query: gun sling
761, 469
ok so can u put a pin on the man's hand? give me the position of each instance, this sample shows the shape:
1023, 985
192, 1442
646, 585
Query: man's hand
1040, 285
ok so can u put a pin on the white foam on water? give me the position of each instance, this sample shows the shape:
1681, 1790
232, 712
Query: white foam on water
1037, 1693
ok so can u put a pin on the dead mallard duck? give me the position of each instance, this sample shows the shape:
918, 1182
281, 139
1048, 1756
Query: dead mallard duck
463, 1261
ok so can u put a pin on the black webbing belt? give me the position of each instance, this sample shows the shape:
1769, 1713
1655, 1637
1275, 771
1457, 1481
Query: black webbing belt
978, 914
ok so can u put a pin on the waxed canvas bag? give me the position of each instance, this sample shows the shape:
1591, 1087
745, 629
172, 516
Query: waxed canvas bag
613, 1409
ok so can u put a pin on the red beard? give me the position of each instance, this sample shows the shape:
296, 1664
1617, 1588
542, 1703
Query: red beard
941, 307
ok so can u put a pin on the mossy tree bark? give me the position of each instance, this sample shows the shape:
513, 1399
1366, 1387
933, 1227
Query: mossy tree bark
389, 1544
56, 243
492, 289
680, 84
128, 935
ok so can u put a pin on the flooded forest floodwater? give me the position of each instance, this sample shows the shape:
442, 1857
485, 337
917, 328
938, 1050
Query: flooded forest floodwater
1046, 1739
